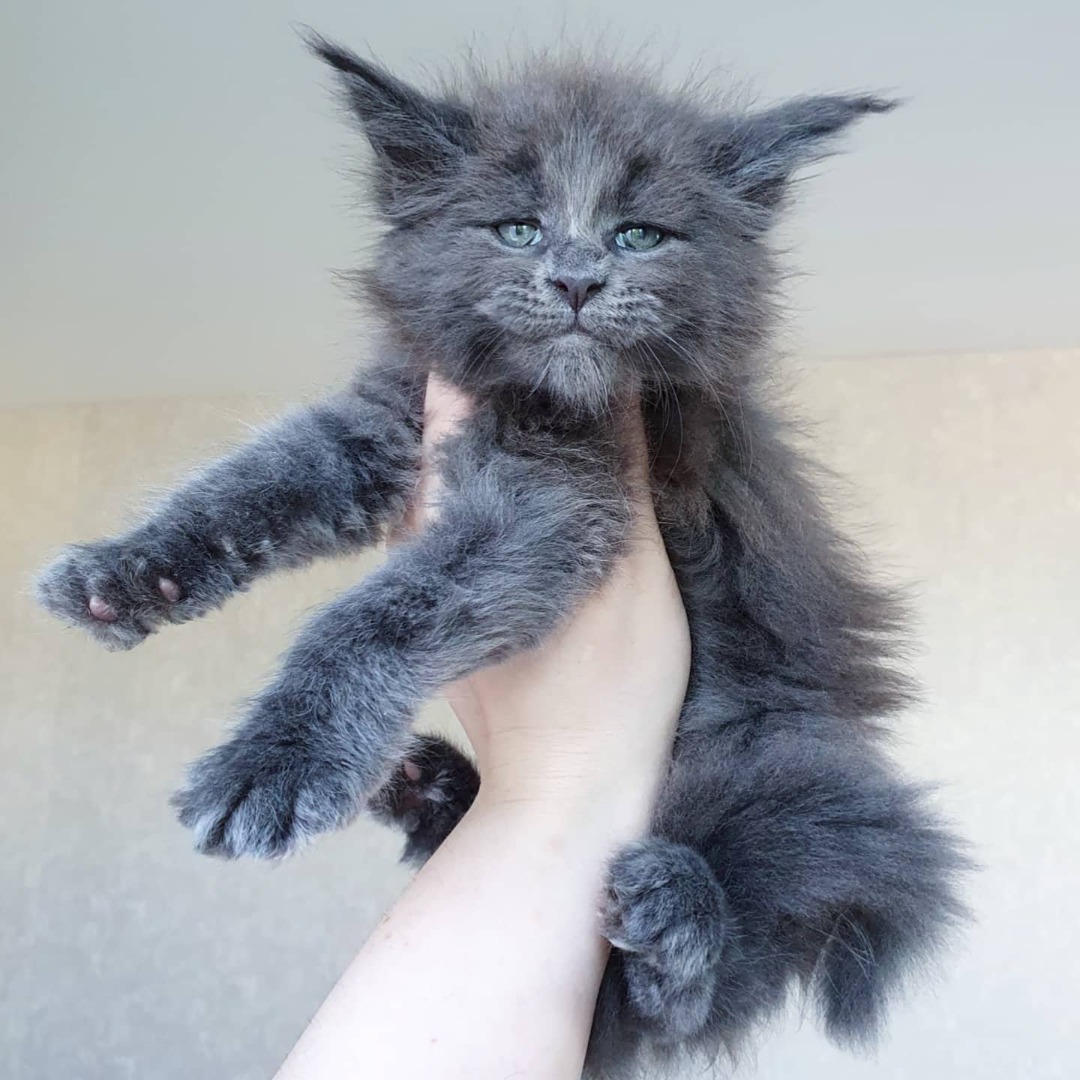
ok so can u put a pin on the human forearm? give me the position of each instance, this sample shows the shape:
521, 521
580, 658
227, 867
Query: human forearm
488, 965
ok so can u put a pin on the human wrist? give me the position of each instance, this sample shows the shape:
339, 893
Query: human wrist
602, 791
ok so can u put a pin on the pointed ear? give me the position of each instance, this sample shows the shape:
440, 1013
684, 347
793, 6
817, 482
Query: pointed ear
759, 153
417, 140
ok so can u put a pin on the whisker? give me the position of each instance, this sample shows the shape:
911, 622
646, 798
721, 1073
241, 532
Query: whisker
739, 431
673, 394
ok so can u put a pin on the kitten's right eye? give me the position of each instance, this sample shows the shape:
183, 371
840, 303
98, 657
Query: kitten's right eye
519, 234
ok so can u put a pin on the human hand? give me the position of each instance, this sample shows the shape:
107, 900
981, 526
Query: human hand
586, 720
490, 962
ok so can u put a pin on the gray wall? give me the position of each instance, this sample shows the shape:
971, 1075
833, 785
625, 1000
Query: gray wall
174, 191
127, 955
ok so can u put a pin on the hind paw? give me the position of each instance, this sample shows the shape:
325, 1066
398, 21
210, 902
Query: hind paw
427, 795
667, 913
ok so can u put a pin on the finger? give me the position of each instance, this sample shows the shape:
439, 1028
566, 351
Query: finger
634, 444
630, 430
445, 409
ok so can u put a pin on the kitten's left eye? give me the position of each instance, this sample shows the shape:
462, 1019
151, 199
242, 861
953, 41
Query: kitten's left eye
638, 237
518, 234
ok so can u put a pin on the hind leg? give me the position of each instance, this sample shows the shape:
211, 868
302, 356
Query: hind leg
668, 916
837, 871
427, 795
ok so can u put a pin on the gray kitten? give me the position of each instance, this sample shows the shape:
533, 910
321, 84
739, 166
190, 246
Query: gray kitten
554, 240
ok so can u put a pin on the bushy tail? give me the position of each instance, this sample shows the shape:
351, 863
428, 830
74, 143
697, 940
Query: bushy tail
873, 948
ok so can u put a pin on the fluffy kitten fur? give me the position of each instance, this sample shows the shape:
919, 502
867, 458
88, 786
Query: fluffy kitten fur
785, 848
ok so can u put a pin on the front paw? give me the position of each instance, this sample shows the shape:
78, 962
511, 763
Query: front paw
279, 782
262, 799
427, 795
122, 590
667, 913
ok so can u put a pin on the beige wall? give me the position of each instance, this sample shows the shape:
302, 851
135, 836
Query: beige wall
124, 954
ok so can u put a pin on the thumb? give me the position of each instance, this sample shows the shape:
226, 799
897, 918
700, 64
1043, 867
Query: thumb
445, 409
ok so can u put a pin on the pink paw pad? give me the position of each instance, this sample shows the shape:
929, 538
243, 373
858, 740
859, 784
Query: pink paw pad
101, 609
169, 589
411, 799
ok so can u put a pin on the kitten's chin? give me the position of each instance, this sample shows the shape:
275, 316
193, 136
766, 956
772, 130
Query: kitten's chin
577, 370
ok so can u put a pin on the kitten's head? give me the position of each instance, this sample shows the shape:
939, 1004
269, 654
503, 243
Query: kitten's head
573, 229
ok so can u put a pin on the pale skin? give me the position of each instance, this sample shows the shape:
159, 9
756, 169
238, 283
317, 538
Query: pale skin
488, 965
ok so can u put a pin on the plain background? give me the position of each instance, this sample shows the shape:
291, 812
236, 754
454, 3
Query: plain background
173, 190
174, 197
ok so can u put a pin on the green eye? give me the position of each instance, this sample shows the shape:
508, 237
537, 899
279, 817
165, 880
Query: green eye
518, 234
638, 237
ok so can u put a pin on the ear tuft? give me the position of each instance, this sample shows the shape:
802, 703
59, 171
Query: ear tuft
759, 153
367, 84
417, 140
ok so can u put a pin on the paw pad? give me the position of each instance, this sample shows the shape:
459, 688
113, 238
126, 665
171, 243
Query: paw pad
427, 795
169, 589
101, 609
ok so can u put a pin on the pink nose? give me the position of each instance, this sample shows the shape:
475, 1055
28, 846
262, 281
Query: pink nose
577, 291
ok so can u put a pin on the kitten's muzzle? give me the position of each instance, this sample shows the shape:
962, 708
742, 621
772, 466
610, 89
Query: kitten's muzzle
577, 291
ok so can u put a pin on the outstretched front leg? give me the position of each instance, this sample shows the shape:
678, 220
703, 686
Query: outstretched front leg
530, 524
320, 481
